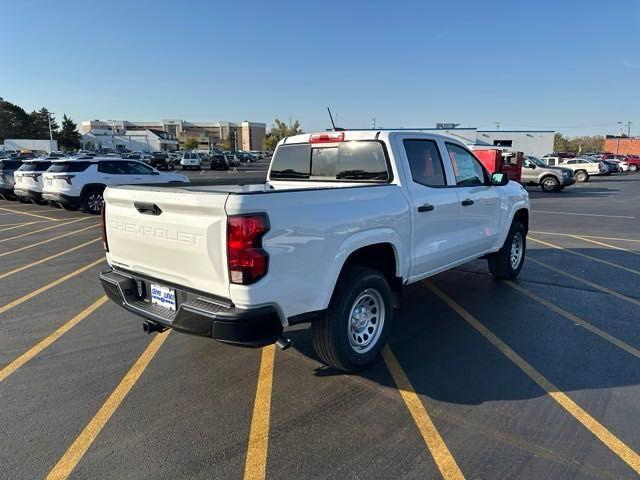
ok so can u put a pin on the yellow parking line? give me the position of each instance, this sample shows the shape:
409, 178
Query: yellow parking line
256, 463
48, 286
595, 286
617, 446
18, 225
44, 343
575, 319
434, 442
79, 447
573, 252
46, 259
588, 236
47, 228
26, 247
604, 244
44, 210
27, 213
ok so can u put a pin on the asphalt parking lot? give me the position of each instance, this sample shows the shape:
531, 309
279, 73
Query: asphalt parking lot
538, 378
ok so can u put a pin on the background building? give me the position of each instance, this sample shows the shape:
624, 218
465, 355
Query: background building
622, 145
243, 135
530, 142
148, 140
27, 144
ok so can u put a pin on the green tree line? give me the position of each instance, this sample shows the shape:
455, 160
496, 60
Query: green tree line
15, 122
583, 144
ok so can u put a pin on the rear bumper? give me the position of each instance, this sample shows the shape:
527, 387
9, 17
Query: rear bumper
195, 314
26, 193
61, 198
6, 191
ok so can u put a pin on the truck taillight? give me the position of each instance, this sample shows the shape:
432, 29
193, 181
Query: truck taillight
246, 258
327, 137
103, 227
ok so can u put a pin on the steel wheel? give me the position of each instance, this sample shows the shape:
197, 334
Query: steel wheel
516, 250
366, 320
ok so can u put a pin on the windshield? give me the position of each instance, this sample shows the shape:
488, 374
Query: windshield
537, 161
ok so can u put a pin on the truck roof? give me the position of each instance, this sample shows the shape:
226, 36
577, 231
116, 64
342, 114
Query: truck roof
366, 134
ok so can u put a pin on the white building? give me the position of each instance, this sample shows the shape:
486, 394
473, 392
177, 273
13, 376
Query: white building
27, 144
133, 140
532, 142
244, 135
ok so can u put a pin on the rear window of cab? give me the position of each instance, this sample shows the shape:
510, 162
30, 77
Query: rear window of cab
354, 161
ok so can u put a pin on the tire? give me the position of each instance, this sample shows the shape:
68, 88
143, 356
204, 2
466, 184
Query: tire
92, 200
502, 264
549, 184
582, 176
633, 167
343, 343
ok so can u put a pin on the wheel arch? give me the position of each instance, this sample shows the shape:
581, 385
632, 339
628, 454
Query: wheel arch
380, 250
89, 186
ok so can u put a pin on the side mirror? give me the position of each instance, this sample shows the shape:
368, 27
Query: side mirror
499, 179
155, 172
531, 165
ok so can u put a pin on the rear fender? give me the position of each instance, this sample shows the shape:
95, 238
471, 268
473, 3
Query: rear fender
360, 240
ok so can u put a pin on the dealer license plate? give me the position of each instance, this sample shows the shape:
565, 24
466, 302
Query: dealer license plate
163, 296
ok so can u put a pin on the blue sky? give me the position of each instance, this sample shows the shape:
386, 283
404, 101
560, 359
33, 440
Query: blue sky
573, 66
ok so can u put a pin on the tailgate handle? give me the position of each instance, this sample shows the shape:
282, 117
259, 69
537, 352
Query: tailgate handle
147, 208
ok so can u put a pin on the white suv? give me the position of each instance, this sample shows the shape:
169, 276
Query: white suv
191, 160
28, 179
80, 182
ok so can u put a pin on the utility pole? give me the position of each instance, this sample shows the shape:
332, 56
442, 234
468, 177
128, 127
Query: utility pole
50, 134
497, 126
628, 124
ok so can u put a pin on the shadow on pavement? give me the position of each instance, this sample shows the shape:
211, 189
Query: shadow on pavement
447, 359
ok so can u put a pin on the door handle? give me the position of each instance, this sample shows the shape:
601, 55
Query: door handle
467, 202
147, 208
427, 207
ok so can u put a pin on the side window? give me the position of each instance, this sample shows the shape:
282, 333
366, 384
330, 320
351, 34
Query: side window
109, 168
135, 168
425, 162
468, 170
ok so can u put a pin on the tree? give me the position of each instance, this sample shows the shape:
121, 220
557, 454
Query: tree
39, 128
190, 143
14, 121
279, 131
582, 144
69, 137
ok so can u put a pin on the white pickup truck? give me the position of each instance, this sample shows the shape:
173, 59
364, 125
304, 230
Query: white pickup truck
343, 222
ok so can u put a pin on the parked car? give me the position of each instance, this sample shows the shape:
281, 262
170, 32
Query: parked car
219, 162
7, 167
343, 222
233, 160
161, 161
28, 179
191, 160
550, 179
634, 162
81, 182
582, 168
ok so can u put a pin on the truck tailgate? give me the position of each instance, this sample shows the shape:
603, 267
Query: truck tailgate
170, 234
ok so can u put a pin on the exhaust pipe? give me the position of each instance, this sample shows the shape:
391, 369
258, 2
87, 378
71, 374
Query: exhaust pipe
283, 343
150, 327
